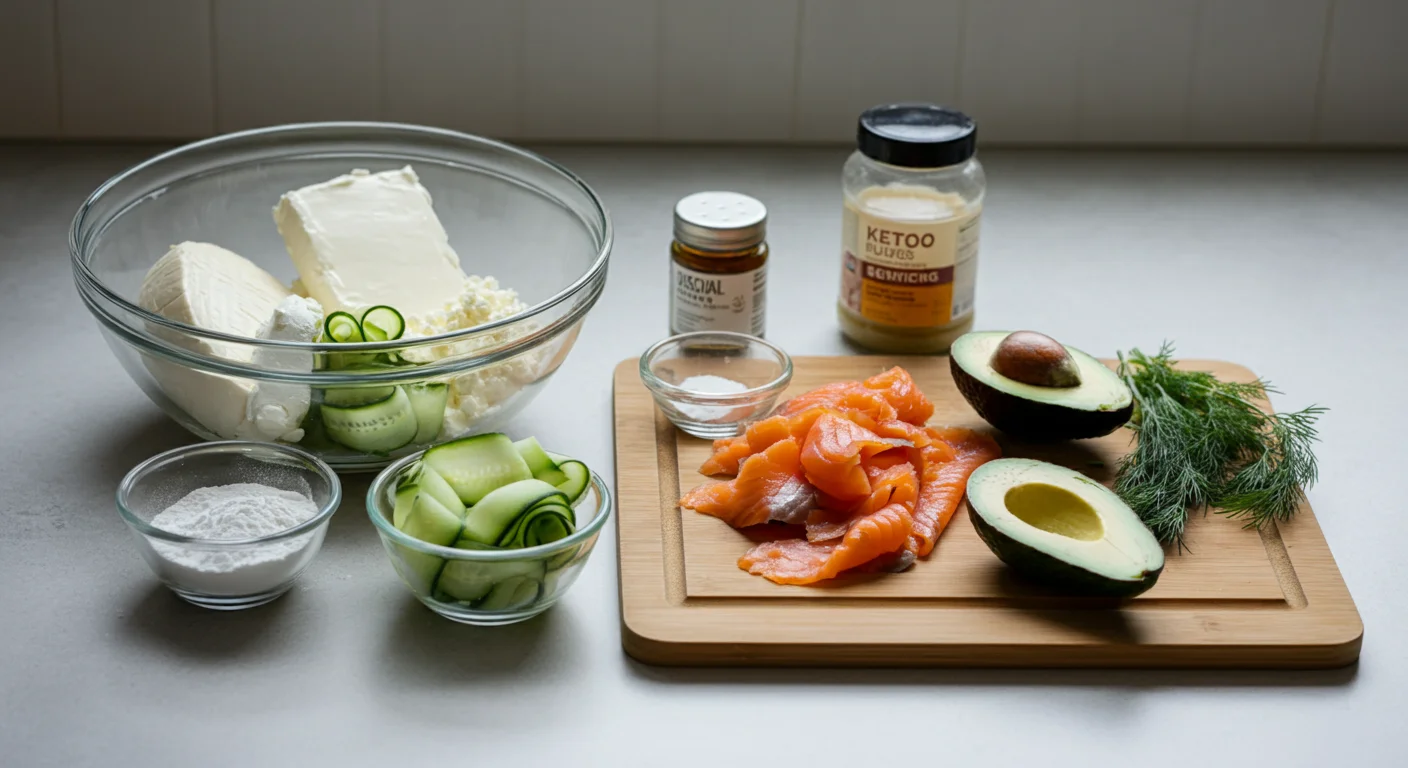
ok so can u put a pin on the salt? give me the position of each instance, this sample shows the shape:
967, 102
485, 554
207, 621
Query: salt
233, 512
711, 385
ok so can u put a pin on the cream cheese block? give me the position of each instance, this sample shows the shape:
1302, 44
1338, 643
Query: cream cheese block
206, 286
214, 289
365, 239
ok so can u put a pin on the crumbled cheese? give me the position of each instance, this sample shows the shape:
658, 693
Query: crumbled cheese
474, 394
480, 301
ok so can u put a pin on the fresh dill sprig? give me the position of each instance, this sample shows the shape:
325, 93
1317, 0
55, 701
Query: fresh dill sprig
1204, 443
1272, 485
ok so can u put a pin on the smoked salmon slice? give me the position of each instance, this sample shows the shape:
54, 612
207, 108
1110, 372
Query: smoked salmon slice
798, 561
895, 388
729, 452
948, 462
833, 452
769, 486
898, 484
852, 397
917, 435
899, 389
895, 484
828, 524
855, 463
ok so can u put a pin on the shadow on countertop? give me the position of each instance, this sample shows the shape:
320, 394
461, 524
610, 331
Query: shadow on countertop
349, 528
110, 455
424, 650
161, 620
1119, 679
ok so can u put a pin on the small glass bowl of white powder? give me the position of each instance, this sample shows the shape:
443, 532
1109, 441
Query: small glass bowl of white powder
229, 525
712, 383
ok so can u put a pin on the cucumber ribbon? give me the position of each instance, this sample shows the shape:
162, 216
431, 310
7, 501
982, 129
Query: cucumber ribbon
343, 328
382, 323
540, 525
379, 323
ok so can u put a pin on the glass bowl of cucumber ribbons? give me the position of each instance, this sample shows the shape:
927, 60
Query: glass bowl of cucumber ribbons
486, 530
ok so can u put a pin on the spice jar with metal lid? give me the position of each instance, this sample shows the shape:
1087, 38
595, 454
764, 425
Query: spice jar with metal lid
719, 258
909, 235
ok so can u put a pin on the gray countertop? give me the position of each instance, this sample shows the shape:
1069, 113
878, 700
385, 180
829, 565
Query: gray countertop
1293, 265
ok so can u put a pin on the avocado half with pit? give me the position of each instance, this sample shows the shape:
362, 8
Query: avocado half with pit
1057, 527
1091, 400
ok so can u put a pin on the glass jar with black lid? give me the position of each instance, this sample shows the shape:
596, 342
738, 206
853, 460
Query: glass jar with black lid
913, 199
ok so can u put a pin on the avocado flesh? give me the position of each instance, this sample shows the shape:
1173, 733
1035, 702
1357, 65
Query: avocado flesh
1057, 527
1099, 405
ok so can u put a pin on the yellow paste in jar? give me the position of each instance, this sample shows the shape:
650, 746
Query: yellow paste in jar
909, 266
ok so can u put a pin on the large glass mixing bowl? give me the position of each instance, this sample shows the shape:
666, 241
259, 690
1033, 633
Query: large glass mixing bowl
509, 214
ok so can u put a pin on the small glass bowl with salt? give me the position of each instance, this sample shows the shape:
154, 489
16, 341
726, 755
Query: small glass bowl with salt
229, 525
710, 384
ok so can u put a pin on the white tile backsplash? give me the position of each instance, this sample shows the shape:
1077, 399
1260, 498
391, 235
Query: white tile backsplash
280, 61
135, 68
1135, 67
858, 54
1366, 74
1083, 72
29, 85
1021, 69
729, 69
1255, 81
591, 69
455, 64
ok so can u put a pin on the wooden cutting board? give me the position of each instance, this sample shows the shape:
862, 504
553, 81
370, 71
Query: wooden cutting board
1235, 598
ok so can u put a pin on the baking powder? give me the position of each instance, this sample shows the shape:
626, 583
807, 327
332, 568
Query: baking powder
233, 512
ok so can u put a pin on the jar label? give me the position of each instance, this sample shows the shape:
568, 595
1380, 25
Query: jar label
704, 301
916, 274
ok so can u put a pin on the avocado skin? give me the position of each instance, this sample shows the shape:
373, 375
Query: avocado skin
1044, 569
1028, 420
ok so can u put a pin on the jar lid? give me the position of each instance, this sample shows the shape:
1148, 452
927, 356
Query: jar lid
916, 135
720, 221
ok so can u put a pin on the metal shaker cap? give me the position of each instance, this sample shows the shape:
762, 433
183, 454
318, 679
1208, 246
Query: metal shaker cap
720, 221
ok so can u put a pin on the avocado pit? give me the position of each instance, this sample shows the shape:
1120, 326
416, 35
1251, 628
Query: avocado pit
1035, 388
1036, 359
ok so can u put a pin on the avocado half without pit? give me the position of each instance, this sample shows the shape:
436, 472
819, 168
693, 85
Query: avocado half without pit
1033, 387
1057, 527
